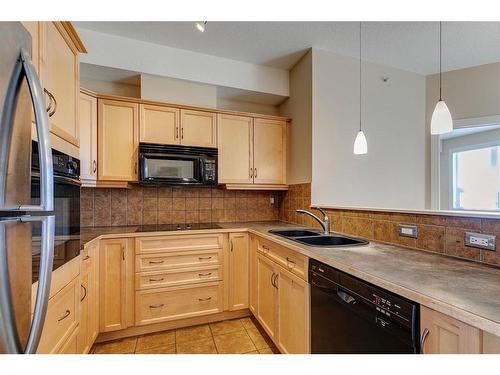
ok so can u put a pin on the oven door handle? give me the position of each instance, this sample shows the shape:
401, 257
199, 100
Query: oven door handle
60, 179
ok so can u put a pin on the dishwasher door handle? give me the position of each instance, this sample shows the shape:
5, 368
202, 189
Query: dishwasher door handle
347, 298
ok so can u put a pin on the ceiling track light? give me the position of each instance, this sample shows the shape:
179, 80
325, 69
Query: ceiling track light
360, 144
201, 26
441, 120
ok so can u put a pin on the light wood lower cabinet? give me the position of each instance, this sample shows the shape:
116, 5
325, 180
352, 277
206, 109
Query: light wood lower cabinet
62, 318
116, 284
89, 300
281, 304
238, 271
159, 305
267, 301
442, 334
293, 313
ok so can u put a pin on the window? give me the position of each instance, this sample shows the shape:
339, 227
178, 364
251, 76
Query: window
476, 178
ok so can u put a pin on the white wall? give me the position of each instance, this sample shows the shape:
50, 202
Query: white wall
392, 174
238, 105
111, 88
138, 56
178, 91
299, 108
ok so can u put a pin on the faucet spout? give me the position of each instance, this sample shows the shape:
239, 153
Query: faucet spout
325, 223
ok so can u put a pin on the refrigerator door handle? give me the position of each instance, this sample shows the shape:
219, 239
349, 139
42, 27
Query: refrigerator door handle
42, 129
8, 331
45, 277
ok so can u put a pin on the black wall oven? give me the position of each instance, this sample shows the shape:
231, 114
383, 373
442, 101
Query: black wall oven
66, 208
177, 165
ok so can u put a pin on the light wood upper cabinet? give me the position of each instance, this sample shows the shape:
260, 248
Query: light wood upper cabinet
60, 72
442, 334
293, 313
159, 124
269, 151
198, 128
118, 140
235, 160
238, 271
116, 284
267, 306
87, 125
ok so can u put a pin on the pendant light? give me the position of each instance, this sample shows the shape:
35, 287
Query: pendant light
441, 121
360, 145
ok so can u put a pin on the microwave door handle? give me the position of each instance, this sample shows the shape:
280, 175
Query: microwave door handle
42, 129
44, 280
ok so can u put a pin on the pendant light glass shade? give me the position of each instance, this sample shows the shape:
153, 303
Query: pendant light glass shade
360, 145
441, 121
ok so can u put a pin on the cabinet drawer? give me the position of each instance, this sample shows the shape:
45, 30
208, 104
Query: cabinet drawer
162, 244
177, 303
187, 259
71, 345
291, 260
162, 279
61, 319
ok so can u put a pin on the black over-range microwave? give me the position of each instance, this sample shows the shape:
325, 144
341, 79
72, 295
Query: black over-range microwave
177, 165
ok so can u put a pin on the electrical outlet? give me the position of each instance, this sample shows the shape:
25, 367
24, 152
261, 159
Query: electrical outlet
408, 230
480, 240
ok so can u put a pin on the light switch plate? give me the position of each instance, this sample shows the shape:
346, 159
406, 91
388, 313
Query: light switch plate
480, 240
408, 230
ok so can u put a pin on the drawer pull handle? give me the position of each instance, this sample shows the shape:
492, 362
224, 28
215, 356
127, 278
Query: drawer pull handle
85, 294
204, 299
156, 306
204, 274
204, 258
157, 280
290, 260
156, 261
66, 314
86, 258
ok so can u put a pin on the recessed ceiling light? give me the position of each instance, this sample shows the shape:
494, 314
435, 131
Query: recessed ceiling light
201, 26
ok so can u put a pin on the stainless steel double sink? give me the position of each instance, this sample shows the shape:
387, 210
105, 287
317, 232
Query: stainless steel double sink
314, 238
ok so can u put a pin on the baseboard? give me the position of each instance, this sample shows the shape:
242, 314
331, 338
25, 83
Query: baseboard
182, 323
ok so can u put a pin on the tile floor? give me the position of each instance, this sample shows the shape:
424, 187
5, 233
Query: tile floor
237, 336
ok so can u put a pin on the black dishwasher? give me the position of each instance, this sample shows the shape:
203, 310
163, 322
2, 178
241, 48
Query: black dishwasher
350, 316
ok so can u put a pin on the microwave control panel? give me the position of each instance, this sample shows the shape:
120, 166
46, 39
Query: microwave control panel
209, 173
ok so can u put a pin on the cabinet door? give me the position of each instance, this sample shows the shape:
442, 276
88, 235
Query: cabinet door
238, 271
117, 129
442, 334
253, 275
60, 69
87, 125
113, 283
235, 149
266, 295
269, 151
293, 319
84, 330
198, 128
159, 124
93, 293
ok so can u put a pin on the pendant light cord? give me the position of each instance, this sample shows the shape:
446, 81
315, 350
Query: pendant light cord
440, 62
360, 76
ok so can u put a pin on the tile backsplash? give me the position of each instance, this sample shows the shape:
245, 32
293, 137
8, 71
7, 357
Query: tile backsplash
166, 205
436, 233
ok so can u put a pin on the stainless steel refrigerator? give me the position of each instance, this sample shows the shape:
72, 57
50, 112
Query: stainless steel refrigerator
21, 95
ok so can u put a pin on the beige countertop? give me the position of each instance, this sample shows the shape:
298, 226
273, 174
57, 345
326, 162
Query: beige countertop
465, 290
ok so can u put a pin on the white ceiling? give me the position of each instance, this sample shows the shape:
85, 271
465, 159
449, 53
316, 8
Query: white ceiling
411, 46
